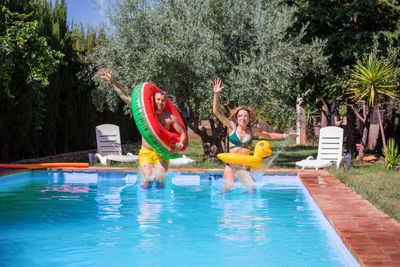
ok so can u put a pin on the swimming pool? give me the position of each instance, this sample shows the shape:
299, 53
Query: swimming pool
106, 219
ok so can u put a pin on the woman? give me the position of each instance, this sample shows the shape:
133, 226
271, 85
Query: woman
241, 134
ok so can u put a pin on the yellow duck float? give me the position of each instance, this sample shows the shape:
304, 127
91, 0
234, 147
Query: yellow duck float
261, 150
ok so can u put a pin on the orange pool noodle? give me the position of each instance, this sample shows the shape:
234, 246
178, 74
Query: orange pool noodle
44, 165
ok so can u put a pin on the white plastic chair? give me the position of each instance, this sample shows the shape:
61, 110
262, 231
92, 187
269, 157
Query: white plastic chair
180, 161
109, 145
330, 149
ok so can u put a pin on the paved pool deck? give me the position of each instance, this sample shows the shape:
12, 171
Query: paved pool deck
372, 236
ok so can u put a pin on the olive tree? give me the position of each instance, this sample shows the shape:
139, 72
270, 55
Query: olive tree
182, 45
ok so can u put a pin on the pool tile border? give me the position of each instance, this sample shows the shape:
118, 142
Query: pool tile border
372, 236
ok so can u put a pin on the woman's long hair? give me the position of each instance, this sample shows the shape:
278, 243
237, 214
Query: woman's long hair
234, 112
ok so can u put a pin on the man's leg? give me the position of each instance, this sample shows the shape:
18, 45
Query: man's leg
161, 172
146, 168
146, 175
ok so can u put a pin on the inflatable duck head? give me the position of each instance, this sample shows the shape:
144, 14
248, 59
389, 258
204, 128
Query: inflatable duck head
262, 149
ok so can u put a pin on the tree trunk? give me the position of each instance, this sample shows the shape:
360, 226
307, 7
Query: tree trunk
364, 141
301, 124
351, 132
332, 115
365, 134
328, 115
324, 116
310, 137
373, 130
381, 126
213, 137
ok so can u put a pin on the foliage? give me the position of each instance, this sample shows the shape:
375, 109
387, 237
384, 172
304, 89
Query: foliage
392, 155
372, 79
350, 29
311, 113
371, 82
25, 52
348, 26
279, 114
47, 99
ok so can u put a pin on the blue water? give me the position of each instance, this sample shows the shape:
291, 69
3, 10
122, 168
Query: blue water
106, 219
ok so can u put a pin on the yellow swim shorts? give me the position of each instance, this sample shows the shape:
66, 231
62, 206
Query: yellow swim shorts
149, 156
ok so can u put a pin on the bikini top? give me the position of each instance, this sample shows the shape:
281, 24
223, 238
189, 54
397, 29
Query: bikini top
234, 139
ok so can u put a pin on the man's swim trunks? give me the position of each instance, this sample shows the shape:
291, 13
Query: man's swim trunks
149, 156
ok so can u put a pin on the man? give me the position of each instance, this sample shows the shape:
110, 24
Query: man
153, 166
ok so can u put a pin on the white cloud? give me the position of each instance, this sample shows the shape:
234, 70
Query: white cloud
102, 8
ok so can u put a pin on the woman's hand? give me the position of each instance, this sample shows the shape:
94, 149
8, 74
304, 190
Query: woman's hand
105, 75
217, 86
290, 135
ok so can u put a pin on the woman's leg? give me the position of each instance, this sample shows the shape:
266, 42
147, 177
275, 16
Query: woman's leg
246, 179
229, 178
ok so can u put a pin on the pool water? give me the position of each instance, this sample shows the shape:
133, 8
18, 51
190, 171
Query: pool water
106, 219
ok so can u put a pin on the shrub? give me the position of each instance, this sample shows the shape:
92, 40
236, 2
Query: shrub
392, 154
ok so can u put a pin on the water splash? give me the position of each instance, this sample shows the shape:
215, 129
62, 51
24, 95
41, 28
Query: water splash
131, 148
271, 159
246, 179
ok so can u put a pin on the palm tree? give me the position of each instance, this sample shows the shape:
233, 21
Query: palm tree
371, 81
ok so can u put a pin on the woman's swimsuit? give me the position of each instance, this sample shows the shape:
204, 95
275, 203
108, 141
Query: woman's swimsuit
234, 139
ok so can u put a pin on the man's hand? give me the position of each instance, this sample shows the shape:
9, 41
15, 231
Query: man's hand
177, 147
105, 75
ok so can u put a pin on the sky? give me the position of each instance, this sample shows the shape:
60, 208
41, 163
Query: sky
87, 12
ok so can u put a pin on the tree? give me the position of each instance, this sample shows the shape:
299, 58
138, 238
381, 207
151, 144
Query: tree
182, 45
349, 28
371, 81
46, 82
24, 50
26, 63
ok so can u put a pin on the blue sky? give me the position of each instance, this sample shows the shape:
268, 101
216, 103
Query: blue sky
87, 12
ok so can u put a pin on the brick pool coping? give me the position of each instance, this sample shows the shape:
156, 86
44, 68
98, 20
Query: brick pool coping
372, 236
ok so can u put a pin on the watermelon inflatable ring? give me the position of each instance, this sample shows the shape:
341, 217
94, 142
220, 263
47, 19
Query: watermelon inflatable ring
149, 126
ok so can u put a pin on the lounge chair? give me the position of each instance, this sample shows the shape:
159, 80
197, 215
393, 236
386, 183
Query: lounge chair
180, 161
330, 150
109, 146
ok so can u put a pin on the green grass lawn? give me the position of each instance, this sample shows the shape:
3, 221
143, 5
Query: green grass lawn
376, 184
379, 186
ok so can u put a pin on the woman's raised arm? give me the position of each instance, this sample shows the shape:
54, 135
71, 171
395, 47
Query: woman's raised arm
217, 90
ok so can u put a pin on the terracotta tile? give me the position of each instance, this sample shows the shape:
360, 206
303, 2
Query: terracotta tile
368, 251
394, 256
373, 257
379, 264
382, 237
